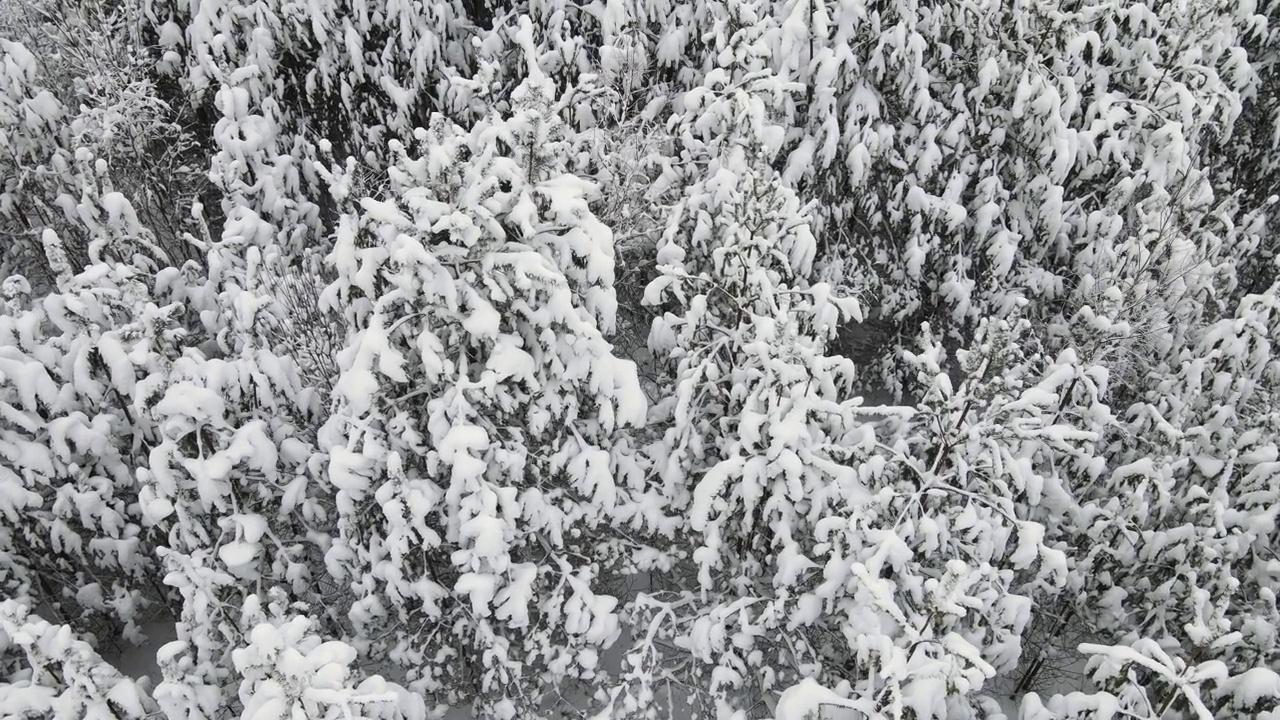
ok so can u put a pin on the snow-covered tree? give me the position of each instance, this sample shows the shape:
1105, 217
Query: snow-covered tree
1252, 149
1144, 681
784, 492
755, 418
231, 484
348, 76
1172, 554
475, 452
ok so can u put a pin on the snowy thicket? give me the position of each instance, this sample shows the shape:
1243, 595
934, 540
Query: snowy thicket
403, 360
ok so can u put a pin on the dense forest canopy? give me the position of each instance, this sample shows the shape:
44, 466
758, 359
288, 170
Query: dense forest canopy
728, 359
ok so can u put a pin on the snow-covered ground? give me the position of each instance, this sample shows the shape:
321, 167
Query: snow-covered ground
139, 661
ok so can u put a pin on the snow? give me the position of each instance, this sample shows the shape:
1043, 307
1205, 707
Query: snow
808, 699
480, 589
1254, 686
237, 556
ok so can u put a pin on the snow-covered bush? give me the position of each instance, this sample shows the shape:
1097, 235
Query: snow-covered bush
288, 670
83, 123
231, 484
75, 368
59, 675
